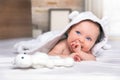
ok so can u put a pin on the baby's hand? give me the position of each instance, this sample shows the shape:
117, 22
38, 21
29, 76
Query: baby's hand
76, 46
76, 57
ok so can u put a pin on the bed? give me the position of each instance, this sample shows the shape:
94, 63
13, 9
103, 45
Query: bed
107, 66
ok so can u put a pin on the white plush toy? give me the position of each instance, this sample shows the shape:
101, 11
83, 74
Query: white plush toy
40, 60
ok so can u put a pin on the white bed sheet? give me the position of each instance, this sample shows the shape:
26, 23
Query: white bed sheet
106, 68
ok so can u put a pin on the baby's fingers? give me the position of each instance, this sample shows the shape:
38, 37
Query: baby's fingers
77, 58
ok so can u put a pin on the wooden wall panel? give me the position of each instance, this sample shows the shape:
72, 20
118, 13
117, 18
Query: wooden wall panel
15, 18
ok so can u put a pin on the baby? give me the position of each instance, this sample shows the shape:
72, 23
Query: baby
81, 38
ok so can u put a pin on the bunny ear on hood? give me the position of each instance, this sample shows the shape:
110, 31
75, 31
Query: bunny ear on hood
77, 17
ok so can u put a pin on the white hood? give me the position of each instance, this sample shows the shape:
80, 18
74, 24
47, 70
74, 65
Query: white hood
76, 17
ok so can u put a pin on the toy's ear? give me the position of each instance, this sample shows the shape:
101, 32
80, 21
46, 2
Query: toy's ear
22, 61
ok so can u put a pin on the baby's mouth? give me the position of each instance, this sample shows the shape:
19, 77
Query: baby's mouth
81, 47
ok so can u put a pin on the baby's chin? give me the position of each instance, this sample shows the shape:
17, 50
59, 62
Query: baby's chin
86, 51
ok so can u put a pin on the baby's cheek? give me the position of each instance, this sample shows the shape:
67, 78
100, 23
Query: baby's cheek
86, 48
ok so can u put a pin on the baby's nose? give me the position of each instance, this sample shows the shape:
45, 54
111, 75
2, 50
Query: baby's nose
81, 39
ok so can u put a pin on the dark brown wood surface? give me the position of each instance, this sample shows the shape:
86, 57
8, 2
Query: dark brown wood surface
15, 19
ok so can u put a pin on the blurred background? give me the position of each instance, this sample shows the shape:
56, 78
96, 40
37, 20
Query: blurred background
30, 18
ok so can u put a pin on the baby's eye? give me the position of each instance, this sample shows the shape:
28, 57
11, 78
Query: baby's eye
78, 32
22, 57
88, 38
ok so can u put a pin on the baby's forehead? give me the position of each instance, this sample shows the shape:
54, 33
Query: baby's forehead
85, 22
89, 21
87, 27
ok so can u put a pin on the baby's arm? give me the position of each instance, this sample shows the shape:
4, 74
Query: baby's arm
78, 54
87, 56
58, 49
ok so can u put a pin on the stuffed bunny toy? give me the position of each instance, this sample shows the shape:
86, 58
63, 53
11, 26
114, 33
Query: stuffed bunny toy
41, 60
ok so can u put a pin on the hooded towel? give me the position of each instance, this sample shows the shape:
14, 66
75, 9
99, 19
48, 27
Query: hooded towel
46, 41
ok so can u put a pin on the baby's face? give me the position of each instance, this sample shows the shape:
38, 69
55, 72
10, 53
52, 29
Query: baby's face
86, 33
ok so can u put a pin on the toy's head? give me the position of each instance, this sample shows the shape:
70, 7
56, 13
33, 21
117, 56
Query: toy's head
22, 61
